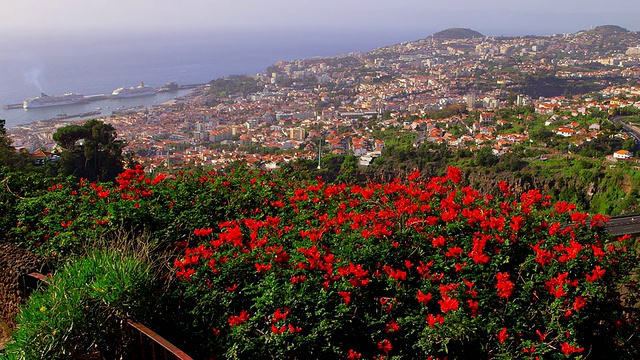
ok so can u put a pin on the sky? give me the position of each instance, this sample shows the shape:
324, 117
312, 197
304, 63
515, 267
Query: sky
490, 17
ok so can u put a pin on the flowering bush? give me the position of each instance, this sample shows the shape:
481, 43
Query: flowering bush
275, 267
68, 217
412, 270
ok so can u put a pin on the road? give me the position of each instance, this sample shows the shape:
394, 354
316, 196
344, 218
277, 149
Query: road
627, 224
632, 130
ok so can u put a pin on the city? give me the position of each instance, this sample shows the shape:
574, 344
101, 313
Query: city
340, 101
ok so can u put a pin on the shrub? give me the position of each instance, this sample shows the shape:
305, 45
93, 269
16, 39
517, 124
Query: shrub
412, 270
82, 312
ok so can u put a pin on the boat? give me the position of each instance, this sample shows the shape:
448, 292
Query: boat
89, 113
45, 100
140, 90
170, 86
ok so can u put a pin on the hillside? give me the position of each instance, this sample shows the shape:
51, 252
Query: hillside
277, 266
456, 33
607, 30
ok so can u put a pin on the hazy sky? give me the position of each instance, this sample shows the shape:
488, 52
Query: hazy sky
491, 17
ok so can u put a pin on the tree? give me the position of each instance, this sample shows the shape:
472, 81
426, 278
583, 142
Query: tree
485, 157
17, 161
629, 145
541, 135
348, 169
90, 150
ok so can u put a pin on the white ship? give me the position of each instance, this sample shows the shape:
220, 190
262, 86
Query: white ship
45, 100
141, 90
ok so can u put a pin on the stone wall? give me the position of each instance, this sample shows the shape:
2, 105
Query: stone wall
15, 286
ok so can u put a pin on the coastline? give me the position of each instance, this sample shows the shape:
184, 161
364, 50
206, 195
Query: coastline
26, 136
94, 109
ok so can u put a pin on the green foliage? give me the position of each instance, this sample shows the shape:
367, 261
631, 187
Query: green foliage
82, 313
429, 268
485, 157
223, 87
457, 33
548, 85
274, 215
99, 157
542, 135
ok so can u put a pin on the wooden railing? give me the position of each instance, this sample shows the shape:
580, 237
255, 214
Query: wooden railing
145, 343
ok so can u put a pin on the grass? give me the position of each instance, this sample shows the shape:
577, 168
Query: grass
82, 312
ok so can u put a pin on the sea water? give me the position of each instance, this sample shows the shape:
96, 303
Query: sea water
98, 64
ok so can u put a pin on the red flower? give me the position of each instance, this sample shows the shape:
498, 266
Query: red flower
294, 329
563, 207
448, 304
385, 346
262, 268
278, 330
473, 307
598, 252
504, 285
454, 252
280, 315
346, 296
423, 298
579, 217
570, 349
438, 241
579, 303
505, 188
393, 327
396, 275
516, 223
235, 320
433, 320
454, 174
541, 335
555, 285
502, 335
596, 274
543, 256
298, 279
353, 355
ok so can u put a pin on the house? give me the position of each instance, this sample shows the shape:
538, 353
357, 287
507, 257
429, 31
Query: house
622, 155
486, 117
564, 131
40, 157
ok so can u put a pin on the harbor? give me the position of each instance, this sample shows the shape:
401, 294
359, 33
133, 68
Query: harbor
98, 105
119, 93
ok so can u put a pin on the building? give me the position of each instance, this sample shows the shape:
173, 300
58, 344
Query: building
219, 135
622, 155
297, 133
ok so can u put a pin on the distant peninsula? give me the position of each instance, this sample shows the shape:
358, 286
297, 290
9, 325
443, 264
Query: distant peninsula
456, 33
609, 30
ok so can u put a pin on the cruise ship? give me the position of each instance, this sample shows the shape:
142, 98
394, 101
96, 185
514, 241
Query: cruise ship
45, 100
141, 90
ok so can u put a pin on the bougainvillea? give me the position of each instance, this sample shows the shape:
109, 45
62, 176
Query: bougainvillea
272, 267
415, 269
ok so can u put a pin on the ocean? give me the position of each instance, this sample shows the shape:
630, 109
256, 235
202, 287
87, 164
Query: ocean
93, 65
